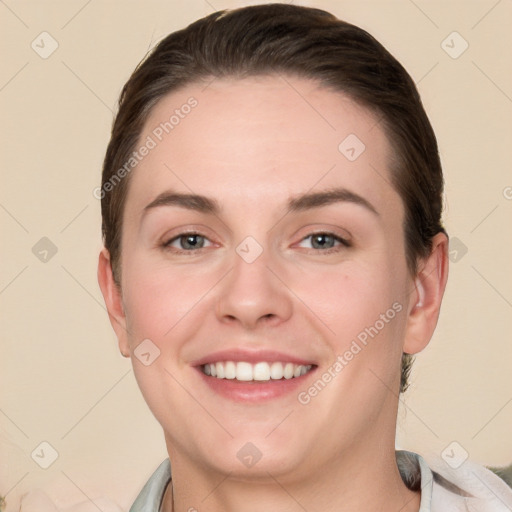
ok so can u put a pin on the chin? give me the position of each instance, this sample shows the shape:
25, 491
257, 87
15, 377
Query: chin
248, 460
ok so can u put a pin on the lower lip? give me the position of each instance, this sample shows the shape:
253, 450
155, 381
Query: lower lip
254, 391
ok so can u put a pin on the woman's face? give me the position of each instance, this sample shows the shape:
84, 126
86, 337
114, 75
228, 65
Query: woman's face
262, 237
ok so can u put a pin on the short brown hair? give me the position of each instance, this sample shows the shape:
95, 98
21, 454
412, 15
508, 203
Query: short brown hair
304, 42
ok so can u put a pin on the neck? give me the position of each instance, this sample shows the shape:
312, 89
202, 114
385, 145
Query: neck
355, 481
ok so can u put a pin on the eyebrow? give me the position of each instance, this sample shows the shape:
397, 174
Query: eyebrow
194, 202
314, 200
299, 203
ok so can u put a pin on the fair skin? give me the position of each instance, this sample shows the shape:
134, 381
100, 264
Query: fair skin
253, 145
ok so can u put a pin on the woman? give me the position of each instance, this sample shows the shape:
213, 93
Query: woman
274, 255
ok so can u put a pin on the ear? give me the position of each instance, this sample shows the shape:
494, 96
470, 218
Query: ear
113, 300
425, 300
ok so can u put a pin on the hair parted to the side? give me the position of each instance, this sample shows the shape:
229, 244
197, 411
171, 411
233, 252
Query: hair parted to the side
298, 41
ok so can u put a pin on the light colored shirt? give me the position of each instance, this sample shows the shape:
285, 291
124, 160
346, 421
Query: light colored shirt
469, 488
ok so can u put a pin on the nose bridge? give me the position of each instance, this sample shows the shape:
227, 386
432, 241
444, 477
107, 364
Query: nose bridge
251, 276
252, 292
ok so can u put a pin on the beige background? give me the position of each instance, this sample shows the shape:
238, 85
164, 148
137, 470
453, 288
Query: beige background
62, 379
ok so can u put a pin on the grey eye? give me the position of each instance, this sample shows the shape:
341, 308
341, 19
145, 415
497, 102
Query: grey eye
322, 241
191, 241
188, 242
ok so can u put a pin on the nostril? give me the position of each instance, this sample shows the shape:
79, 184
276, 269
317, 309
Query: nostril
270, 319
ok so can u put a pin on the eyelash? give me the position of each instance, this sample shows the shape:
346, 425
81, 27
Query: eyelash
167, 245
343, 243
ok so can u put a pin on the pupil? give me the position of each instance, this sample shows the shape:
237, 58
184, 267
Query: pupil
322, 241
192, 241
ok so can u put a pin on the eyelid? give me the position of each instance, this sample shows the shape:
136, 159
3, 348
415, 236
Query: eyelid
343, 241
177, 237
173, 235
187, 229
344, 238
325, 229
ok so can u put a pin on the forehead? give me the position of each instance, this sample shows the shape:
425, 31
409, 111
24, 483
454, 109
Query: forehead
260, 138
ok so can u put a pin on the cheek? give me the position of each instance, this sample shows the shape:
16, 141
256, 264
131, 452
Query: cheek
159, 298
349, 298
161, 308
363, 309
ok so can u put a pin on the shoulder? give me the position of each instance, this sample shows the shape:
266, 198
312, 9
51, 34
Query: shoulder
486, 491
152, 493
469, 487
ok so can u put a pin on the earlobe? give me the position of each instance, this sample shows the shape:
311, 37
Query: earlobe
425, 300
113, 301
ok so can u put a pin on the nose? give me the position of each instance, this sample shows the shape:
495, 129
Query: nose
254, 294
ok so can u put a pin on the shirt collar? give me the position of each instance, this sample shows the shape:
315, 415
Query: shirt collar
412, 467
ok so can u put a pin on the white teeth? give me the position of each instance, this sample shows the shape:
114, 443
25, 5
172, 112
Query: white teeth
219, 367
229, 370
262, 371
288, 371
276, 371
243, 371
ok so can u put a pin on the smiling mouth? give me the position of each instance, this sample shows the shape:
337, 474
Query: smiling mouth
260, 372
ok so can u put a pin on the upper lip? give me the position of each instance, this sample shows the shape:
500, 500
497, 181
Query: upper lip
250, 356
